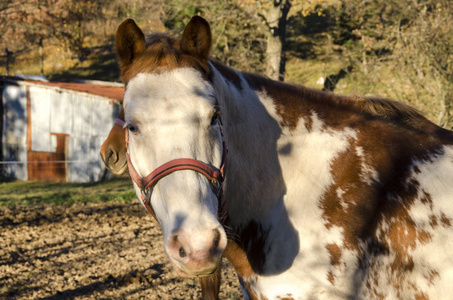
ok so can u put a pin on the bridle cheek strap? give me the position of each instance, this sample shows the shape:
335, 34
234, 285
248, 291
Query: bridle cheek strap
215, 176
120, 122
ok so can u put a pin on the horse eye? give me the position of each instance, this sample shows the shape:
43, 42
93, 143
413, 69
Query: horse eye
132, 128
215, 118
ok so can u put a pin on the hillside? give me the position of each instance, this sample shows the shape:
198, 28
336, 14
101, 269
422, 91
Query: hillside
395, 49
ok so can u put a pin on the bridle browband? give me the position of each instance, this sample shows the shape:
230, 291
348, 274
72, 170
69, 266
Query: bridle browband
214, 175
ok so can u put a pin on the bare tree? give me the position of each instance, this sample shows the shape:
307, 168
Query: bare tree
238, 39
274, 16
26, 23
411, 37
430, 40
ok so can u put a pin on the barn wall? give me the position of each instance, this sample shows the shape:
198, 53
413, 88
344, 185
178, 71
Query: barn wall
92, 123
86, 121
14, 147
65, 132
40, 119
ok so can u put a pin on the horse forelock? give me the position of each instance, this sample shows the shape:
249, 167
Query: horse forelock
162, 54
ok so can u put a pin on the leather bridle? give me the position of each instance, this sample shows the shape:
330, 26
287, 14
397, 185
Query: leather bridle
215, 176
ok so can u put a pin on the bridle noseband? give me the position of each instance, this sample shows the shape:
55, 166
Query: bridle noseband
214, 175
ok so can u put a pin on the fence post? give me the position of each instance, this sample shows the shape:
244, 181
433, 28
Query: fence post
41, 58
9, 54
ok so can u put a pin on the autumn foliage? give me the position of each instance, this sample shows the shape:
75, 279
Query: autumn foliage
401, 49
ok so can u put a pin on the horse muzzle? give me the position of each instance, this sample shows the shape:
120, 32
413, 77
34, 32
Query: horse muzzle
196, 254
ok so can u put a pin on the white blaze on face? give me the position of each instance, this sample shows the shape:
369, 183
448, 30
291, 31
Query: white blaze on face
171, 113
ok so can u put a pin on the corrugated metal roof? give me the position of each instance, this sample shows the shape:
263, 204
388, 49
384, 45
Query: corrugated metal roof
104, 90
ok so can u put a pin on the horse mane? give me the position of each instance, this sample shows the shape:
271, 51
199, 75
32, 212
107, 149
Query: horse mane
295, 96
162, 47
384, 108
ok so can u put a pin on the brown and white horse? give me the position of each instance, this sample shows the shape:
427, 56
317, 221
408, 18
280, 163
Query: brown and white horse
327, 197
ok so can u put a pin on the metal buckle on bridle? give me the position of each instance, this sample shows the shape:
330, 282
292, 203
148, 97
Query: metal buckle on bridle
216, 187
146, 201
146, 196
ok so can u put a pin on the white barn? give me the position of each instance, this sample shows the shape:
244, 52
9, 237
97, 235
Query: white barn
53, 131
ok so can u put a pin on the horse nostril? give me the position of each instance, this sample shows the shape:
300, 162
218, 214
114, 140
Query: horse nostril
111, 156
182, 252
216, 238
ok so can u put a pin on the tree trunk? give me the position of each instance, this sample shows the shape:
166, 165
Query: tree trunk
276, 18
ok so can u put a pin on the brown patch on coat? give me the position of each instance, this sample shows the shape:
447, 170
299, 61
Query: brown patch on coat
334, 253
443, 219
446, 221
390, 151
431, 276
390, 146
331, 277
426, 199
433, 221
236, 255
404, 236
287, 297
421, 296
238, 258
354, 216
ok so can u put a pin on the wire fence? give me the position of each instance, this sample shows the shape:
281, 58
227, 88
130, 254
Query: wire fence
48, 161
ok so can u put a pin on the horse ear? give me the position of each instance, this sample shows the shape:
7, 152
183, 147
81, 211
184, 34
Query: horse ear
130, 42
196, 39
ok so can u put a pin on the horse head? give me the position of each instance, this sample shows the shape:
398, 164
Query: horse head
175, 144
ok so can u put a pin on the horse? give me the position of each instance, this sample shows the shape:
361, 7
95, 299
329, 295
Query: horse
309, 194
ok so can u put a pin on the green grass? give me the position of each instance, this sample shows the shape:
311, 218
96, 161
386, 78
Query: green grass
118, 189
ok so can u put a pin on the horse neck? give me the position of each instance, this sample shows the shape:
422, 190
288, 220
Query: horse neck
254, 183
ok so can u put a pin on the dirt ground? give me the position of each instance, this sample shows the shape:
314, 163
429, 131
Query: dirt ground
91, 251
